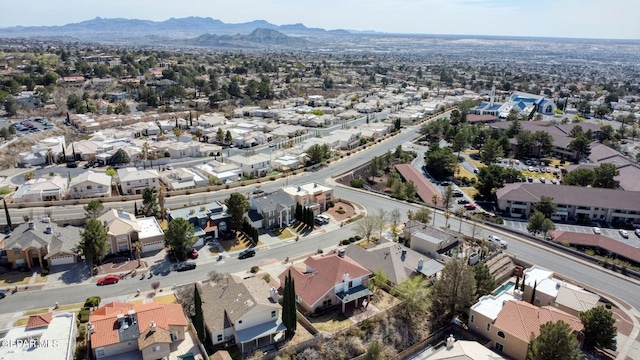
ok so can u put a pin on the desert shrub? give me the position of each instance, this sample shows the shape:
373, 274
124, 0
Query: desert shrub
357, 183
93, 301
255, 269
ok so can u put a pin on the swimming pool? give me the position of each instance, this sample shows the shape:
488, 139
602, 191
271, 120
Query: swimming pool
508, 287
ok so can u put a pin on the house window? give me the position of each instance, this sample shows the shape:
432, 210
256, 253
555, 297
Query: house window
99, 352
219, 337
350, 284
273, 313
499, 347
488, 326
99, 186
326, 303
501, 334
174, 336
89, 187
128, 183
472, 317
16, 251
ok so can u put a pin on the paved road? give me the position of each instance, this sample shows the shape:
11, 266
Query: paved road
594, 276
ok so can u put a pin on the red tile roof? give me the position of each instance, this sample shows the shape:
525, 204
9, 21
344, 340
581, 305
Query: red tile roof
424, 188
104, 319
317, 276
520, 319
40, 320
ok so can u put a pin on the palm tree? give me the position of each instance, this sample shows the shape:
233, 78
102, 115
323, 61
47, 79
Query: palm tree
136, 246
161, 193
434, 201
447, 214
145, 151
459, 214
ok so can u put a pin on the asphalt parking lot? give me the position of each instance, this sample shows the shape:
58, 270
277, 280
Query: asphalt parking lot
633, 240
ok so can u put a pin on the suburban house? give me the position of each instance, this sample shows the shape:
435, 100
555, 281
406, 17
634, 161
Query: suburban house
255, 165
43, 152
32, 243
133, 181
124, 228
45, 336
312, 195
429, 240
573, 202
245, 312
225, 172
397, 261
151, 330
90, 185
183, 179
508, 323
208, 220
323, 282
556, 293
463, 350
343, 139
52, 188
270, 210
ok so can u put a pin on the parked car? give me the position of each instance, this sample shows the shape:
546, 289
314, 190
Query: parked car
321, 219
543, 180
72, 164
193, 254
470, 207
186, 266
458, 193
247, 253
3, 294
596, 230
637, 232
463, 201
109, 279
624, 233
496, 240
530, 178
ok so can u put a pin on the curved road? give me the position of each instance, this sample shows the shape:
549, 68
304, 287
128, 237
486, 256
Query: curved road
592, 275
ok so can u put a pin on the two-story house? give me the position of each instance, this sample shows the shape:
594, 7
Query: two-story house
31, 243
245, 312
312, 195
323, 282
149, 330
182, 179
44, 189
123, 229
255, 165
90, 185
134, 181
270, 210
209, 220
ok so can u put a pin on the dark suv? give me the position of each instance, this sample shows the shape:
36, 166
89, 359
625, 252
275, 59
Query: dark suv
186, 266
247, 253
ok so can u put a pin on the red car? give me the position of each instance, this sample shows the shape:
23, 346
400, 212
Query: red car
109, 279
469, 206
193, 254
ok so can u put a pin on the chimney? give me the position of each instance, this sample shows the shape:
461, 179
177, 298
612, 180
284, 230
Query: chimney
273, 295
450, 341
32, 225
47, 230
345, 277
420, 263
90, 328
152, 327
341, 253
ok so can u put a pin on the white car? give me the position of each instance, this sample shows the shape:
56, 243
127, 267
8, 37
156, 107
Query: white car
596, 230
637, 232
498, 241
623, 233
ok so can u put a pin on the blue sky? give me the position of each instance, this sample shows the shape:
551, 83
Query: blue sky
554, 18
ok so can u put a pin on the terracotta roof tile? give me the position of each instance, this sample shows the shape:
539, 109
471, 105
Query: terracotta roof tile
40, 320
594, 240
520, 319
424, 188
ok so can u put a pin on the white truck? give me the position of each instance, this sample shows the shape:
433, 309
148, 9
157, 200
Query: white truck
497, 240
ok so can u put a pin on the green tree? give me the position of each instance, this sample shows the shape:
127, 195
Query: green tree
547, 225
374, 350
180, 237
546, 206
599, 328
555, 341
228, 139
220, 135
579, 177
111, 172
447, 196
491, 151
460, 142
414, 293
581, 146
198, 319
378, 281
318, 153
604, 176
423, 215
485, 282
454, 292
93, 209
149, 202
237, 206
489, 178
535, 224
6, 214
29, 176
120, 157
93, 241
11, 106
289, 315
525, 142
440, 162
366, 226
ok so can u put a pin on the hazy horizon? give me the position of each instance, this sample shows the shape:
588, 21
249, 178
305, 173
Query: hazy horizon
589, 19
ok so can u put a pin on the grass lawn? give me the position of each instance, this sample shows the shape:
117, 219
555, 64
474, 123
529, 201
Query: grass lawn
70, 306
21, 322
14, 279
331, 322
470, 191
462, 172
37, 311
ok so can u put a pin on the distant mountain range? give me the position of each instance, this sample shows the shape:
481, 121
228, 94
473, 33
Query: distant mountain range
191, 30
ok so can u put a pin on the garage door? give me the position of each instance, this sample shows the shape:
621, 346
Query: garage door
61, 260
158, 245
